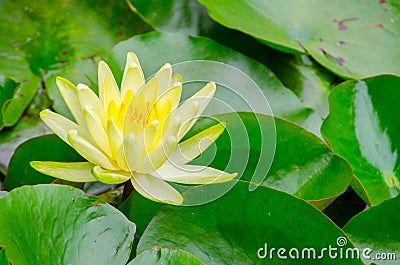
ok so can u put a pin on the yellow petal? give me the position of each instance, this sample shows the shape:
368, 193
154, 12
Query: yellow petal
149, 92
91, 153
170, 97
96, 129
110, 176
149, 135
108, 88
133, 77
121, 159
163, 110
192, 174
169, 130
88, 97
195, 145
135, 116
156, 189
115, 136
70, 171
69, 93
61, 125
157, 157
187, 111
133, 150
163, 77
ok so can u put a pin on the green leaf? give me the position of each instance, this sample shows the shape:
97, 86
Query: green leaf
155, 49
184, 16
377, 229
21, 99
42, 148
317, 175
28, 126
7, 90
339, 35
3, 193
308, 80
3, 257
362, 128
38, 43
159, 256
232, 229
139, 210
78, 229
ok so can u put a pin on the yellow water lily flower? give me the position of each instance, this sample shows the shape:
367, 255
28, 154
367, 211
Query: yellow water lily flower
134, 133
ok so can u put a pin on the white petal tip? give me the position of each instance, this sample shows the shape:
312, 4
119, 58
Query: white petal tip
81, 86
131, 55
72, 133
88, 108
167, 66
44, 112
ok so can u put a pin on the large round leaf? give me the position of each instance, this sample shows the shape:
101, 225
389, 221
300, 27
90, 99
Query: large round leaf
155, 49
308, 80
302, 164
377, 229
340, 34
160, 256
42, 148
41, 39
53, 224
363, 129
236, 229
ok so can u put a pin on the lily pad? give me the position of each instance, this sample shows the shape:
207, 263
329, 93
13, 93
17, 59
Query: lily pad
300, 73
340, 35
376, 229
28, 126
139, 210
317, 175
307, 79
82, 229
3, 257
7, 90
160, 256
42, 148
362, 129
155, 49
237, 228
56, 36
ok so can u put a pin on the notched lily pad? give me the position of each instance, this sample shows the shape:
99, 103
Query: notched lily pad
60, 225
340, 35
233, 229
